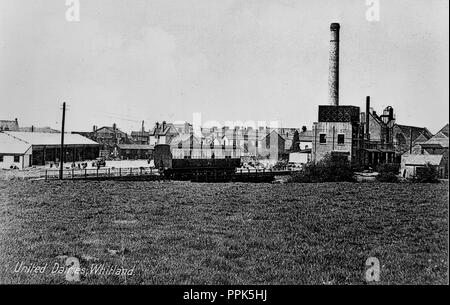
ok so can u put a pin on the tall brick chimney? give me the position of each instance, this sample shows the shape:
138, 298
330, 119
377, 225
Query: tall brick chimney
333, 76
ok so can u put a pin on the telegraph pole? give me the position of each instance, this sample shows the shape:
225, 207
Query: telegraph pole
61, 152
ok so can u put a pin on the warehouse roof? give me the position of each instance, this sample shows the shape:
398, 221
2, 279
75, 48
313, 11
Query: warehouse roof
46, 138
11, 145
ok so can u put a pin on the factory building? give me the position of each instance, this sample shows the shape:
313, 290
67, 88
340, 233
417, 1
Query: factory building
365, 138
337, 130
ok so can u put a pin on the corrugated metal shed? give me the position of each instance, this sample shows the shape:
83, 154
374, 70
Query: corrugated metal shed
48, 139
12, 146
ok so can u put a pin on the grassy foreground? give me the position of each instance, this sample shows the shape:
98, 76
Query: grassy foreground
230, 233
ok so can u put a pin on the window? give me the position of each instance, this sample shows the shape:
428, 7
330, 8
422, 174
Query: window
16, 159
1, 158
323, 138
340, 139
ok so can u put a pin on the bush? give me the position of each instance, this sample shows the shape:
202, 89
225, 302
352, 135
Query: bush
332, 168
426, 174
387, 172
280, 165
387, 177
388, 168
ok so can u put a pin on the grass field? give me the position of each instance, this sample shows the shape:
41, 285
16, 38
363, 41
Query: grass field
230, 233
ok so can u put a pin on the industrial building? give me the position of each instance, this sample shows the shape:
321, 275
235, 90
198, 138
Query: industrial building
40, 148
365, 138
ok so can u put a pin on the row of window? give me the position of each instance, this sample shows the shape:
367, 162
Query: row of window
16, 158
323, 138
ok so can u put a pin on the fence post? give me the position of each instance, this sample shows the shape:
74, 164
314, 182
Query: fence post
97, 172
45, 174
72, 173
120, 172
85, 172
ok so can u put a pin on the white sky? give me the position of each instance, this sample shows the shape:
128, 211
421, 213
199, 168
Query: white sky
133, 60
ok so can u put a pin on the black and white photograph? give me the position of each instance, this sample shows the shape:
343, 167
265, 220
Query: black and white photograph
224, 143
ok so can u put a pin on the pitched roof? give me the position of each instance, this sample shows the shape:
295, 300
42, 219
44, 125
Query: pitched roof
12, 145
269, 135
47, 138
413, 159
444, 130
159, 130
415, 131
439, 139
111, 129
182, 138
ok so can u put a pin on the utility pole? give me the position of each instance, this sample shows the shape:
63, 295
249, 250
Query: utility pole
410, 141
61, 153
142, 133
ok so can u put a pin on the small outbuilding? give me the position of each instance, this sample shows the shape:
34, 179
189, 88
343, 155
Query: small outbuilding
411, 163
14, 153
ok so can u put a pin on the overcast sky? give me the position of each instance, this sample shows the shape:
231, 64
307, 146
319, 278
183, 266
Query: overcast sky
134, 60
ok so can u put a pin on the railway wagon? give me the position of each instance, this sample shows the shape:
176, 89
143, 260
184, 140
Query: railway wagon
195, 166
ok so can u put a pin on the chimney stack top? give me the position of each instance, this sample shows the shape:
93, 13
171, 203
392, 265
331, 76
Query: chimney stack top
335, 26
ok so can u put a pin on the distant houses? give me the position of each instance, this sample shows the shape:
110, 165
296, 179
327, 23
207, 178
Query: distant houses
365, 138
9, 125
189, 146
108, 137
162, 133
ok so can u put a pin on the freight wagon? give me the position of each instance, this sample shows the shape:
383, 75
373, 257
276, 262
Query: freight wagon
197, 164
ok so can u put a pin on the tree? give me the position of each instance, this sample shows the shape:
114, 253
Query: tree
427, 174
332, 168
304, 128
295, 147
